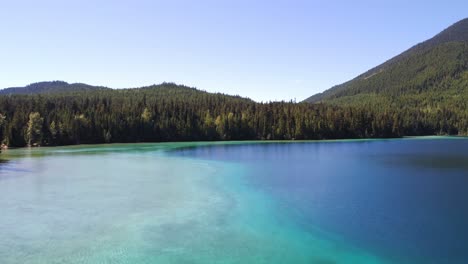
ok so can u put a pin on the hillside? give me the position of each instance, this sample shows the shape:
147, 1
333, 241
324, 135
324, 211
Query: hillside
170, 112
50, 87
58, 88
423, 91
434, 71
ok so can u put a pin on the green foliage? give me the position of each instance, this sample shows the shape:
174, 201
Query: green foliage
170, 112
34, 129
425, 88
428, 89
438, 65
2, 123
439, 69
423, 91
50, 87
146, 115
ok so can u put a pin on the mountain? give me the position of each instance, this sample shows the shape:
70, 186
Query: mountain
79, 89
170, 112
435, 70
50, 87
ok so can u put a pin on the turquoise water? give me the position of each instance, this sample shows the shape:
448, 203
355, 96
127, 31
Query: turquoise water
385, 201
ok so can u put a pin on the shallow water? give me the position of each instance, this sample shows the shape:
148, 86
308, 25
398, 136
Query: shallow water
384, 201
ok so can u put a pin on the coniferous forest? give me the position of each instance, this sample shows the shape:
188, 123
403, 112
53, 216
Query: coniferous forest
423, 91
170, 112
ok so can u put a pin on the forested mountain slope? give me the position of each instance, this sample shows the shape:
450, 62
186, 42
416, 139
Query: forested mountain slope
432, 74
423, 91
170, 112
50, 87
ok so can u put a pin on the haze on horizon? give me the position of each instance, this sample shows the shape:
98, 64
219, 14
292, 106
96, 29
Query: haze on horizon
279, 50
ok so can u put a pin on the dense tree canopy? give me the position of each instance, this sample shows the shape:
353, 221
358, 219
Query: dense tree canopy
432, 74
169, 112
441, 69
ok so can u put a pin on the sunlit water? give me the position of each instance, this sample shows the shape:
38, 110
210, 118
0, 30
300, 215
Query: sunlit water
380, 201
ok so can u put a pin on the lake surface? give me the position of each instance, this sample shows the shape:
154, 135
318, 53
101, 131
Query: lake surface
367, 201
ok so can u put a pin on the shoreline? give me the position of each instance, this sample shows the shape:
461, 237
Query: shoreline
236, 142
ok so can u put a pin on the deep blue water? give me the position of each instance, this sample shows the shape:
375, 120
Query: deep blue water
405, 200
401, 201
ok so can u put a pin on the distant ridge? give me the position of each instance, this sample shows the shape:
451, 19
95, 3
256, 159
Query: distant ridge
61, 87
50, 87
438, 63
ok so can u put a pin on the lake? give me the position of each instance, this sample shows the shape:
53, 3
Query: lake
324, 202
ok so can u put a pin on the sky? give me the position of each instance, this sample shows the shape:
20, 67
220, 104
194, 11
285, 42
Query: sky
264, 50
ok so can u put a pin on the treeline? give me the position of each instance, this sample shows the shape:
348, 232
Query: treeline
169, 112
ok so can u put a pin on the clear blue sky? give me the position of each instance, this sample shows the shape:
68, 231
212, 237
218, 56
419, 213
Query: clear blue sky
265, 50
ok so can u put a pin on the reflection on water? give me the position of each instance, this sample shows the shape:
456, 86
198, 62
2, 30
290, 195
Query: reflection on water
429, 161
9, 169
